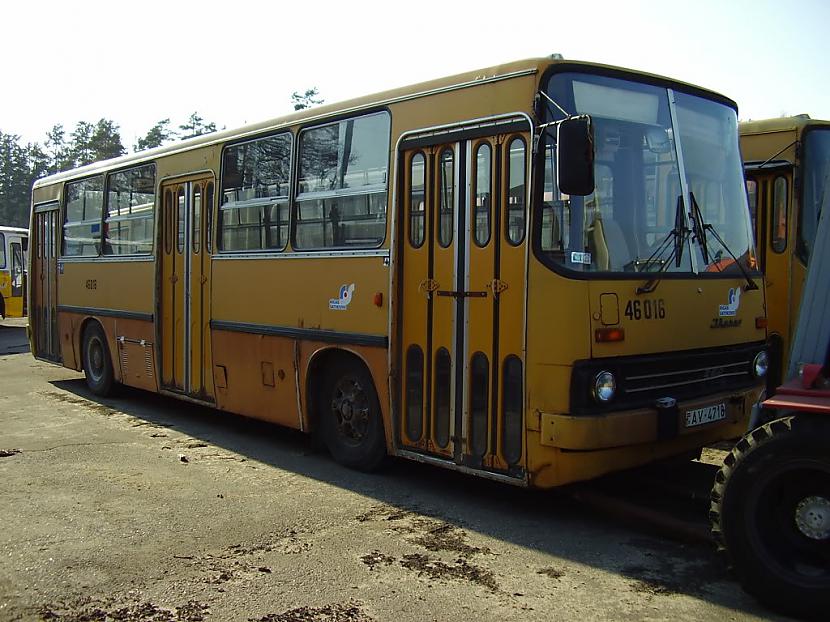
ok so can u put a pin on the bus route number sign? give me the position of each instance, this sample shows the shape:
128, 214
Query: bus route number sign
646, 309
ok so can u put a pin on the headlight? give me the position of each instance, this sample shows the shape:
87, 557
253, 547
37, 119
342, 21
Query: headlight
604, 386
761, 364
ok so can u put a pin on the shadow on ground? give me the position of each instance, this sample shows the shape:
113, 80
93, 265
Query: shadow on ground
13, 339
555, 522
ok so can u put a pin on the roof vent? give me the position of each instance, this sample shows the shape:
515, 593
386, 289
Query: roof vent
557, 56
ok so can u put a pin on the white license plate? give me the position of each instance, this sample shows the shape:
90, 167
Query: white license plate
707, 414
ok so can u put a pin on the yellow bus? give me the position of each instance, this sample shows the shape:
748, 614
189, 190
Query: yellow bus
538, 272
787, 167
14, 246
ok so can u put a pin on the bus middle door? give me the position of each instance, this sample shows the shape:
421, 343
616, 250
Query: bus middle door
185, 287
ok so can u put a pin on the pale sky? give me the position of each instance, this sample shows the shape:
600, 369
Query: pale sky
238, 61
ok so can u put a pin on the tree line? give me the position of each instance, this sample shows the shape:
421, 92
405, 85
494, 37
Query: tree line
21, 164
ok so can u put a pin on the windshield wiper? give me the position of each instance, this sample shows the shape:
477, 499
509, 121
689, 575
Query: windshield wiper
700, 229
678, 237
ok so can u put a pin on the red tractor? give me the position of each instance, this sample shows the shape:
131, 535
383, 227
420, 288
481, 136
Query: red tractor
770, 507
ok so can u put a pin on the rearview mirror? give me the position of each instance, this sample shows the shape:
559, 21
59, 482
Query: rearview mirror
575, 156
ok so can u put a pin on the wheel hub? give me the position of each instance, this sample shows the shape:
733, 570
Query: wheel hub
812, 515
350, 406
96, 359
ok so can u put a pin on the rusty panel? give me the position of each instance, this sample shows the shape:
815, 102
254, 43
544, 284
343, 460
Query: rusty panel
135, 353
70, 326
244, 358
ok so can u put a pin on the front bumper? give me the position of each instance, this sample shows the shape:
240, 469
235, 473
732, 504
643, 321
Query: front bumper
645, 425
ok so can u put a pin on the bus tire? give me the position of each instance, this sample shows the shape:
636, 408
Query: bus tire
770, 514
97, 362
350, 418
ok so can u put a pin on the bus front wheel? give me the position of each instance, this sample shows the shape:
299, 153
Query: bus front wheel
97, 361
771, 514
350, 418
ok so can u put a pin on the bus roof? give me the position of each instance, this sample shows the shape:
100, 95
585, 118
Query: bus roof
462, 80
781, 124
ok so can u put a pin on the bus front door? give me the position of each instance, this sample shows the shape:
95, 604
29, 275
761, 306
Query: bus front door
770, 193
462, 248
185, 287
44, 282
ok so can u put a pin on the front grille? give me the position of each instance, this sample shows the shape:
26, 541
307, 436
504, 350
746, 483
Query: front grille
641, 380
684, 378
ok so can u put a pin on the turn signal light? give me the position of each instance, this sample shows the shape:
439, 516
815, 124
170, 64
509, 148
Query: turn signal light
760, 322
378, 299
604, 335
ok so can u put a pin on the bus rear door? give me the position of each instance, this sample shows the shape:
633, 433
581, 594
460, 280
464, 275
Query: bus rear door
44, 282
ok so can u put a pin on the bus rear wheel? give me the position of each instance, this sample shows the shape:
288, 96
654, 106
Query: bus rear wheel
97, 362
771, 514
350, 418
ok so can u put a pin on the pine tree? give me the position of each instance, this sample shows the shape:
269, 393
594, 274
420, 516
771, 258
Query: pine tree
15, 181
80, 149
158, 135
57, 151
195, 126
306, 100
105, 140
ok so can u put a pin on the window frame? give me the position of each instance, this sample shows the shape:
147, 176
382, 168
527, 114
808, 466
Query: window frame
297, 197
776, 243
18, 261
439, 204
218, 225
105, 211
423, 213
526, 181
490, 192
64, 209
752, 204
105, 175
537, 160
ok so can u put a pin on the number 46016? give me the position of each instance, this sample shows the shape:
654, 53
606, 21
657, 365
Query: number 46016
646, 309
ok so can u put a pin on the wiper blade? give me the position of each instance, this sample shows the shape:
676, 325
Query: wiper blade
701, 227
678, 237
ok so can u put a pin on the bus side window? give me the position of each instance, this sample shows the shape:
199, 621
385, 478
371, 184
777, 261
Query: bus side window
342, 184
752, 195
82, 217
417, 204
516, 193
778, 222
17, 269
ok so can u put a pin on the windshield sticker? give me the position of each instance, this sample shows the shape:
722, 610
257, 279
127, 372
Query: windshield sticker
734, 301
581, 258
342, 302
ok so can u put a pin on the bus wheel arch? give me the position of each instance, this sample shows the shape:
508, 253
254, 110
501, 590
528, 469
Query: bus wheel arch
770, 513
344, 409
96, 359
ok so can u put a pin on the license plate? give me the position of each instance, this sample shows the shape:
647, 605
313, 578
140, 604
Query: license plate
707, 414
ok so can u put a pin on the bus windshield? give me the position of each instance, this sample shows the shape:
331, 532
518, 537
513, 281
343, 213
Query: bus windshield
816, 191
663, 160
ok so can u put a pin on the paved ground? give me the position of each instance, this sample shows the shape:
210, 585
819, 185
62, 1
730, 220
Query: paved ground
143, 508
